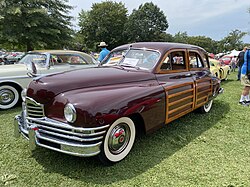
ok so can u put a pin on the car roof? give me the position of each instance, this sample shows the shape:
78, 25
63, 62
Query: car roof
53, 51
58, 51
160, 46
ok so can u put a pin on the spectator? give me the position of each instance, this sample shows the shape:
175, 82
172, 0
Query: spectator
245, 79
104, 52
233, 63
240, 61
74, 59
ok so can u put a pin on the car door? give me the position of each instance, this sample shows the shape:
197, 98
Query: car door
178, 83
199, 69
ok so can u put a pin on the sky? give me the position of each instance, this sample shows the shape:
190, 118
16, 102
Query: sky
211, 18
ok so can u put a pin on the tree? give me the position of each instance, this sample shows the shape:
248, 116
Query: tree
205, 42
104, 22
35, 23
146, 24
232, 41
181, 37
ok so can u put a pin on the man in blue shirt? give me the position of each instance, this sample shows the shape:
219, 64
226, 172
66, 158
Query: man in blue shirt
104, 52
245, 79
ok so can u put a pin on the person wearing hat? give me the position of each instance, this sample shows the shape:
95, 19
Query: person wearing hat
104, 52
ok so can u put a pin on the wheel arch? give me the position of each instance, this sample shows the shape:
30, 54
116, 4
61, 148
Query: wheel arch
14, 84
139, 123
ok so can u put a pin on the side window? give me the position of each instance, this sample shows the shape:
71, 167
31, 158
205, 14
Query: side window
205, 59
174, 61
195, 60
58, 59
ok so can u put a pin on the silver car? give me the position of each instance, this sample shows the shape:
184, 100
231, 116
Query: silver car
14, 78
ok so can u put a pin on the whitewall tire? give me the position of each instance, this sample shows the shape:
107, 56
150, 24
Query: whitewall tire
9, 97
118, 141
207, 107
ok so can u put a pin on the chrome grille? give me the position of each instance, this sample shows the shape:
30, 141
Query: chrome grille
58, 131
34, 109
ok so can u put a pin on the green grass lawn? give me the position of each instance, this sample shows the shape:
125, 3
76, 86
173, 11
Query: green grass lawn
195, 150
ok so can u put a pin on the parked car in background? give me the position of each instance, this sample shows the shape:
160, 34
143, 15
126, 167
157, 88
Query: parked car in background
218, 70
14, 78
14, 57
226, 60
99, 111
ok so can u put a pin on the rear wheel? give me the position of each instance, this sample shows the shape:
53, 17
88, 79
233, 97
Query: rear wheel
118, 141
9, 97
206, 108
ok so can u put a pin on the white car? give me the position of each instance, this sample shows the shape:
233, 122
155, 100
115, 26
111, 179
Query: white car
14, 78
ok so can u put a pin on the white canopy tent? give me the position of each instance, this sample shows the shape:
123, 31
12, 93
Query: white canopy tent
234, 53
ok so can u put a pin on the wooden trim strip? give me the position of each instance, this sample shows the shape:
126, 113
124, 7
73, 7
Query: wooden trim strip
178, 86
179, 108
208, 90
180, 100
202, 86
203, 80
178, 115
204, 97
180, 93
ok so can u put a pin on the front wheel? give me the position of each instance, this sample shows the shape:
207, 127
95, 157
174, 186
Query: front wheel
206, 108
9, 97
118, 141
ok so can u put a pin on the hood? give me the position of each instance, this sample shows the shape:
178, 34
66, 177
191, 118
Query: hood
45, 88
13, 70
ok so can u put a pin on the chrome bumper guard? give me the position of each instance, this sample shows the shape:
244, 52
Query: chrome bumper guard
58, 136
221, 90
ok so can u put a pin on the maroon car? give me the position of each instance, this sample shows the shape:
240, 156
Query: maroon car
99, 111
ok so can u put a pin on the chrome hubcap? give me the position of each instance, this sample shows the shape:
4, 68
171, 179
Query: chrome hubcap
119, 138
6, 97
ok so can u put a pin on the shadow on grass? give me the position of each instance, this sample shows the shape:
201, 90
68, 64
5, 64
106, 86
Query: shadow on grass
229, 80
148, 151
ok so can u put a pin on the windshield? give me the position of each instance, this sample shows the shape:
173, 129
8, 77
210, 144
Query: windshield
38, 59
140, 58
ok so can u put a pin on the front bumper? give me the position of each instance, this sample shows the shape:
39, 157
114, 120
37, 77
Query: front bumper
57, 136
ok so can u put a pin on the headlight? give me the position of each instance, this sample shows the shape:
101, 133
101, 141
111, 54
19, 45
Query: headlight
70, 113
23, 94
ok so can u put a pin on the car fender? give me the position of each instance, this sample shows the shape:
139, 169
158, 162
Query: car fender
105, 104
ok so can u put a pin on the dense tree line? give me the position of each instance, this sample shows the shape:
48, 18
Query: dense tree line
29, 24
37, 24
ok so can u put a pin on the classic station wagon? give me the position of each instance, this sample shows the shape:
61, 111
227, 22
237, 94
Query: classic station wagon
99, 111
